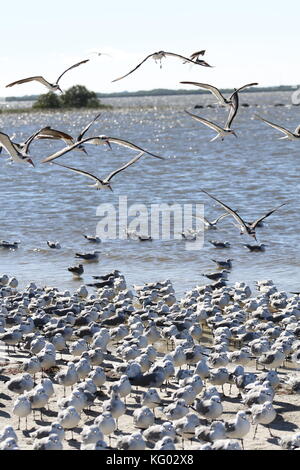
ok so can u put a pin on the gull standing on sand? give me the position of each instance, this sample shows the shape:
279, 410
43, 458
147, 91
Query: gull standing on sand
51, 86
158, 56
244, 226
239, 427
22, 408
263, 414
105, 183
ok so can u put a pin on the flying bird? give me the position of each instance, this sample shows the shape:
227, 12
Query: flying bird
17, 155
158, 56
99, 140
288, 134
102, 184
221, 132
244, 226
51, 86
215, 91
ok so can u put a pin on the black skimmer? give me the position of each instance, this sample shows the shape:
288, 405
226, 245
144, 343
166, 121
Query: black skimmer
288, 134
244, 227
17, 154
158, 56
220, 97
102, 184
99, 140
51, 86
221, 131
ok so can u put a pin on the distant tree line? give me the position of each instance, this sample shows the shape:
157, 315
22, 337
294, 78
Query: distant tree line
77, 96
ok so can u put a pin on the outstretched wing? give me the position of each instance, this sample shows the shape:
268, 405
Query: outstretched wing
234, 105
80, 172
131, 162
242, 88
186, 59
279, 128
254, 224
84, 131
135, 68
72, 67
37, 78
234, 214
215, 91
210, 124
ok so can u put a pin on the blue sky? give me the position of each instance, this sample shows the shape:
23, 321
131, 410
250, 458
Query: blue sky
257, 41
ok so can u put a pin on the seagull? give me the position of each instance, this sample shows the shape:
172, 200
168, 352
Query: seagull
76, 270
215, 91
218, 244
102, 184
13, 149
158, 56
88, 256
221, 132
92, 239
51, 86
288, 134
53, 244
244, 226
226, 264
255, 248
99, 140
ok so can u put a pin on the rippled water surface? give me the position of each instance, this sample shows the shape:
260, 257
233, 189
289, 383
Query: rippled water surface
252, 173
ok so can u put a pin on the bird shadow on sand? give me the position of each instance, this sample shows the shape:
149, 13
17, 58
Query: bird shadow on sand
3, 414
74, 443
3, 396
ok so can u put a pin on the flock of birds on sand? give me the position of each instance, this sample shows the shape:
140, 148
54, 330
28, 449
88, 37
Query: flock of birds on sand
138, 369
91, 360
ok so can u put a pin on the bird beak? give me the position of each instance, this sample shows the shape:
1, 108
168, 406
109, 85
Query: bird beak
30, 161
108, 143
59, 89
110, 187
234, 134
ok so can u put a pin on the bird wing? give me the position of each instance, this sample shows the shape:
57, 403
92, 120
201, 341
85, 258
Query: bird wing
133, 70
195, 55
65, 150
210, 124
186, 59
48, 132
28, 142
72, 67
8, 145
80, 172
38, 78
214, 222
215, 91
228, 209
113, 173
234, 105
86, 128
256, 222
242, 88
126, 143
279, 128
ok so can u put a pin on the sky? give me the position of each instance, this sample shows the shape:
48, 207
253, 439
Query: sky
257, 41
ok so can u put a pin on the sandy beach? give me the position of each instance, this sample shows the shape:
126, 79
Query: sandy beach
285, 401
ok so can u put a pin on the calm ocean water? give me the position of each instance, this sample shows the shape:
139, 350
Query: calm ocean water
252, 173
